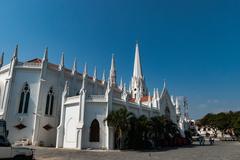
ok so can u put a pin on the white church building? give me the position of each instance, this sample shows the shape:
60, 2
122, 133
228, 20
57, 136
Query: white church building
51, 105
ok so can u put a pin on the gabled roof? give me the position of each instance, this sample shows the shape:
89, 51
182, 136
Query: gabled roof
143, 99
35, 60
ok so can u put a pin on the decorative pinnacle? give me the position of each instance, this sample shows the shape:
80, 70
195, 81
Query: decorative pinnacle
74, 68
45, 56
121, 84
103, 76
113, 72
164, 83
1, 59
61, 65
149, 96
85, 69
154, 93
15, 54
95, 73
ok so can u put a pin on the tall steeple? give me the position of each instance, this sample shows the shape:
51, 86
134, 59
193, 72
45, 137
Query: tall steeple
137, 70
138, 82
112, 74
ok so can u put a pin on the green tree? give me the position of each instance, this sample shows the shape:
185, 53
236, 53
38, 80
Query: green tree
157, 129
119, 120
225, 122
236, 127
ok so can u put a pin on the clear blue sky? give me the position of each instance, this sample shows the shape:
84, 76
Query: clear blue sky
194, 44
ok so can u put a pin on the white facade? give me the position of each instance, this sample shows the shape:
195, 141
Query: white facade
54, 106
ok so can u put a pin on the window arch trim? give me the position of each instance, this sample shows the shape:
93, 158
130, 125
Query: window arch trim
94, 131
49, 102
24, 99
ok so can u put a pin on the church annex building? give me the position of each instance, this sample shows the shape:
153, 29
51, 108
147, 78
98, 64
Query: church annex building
51, 105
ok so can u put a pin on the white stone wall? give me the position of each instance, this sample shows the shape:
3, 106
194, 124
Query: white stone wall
70, 130
95, 111
13, 118
3, 76
165, 101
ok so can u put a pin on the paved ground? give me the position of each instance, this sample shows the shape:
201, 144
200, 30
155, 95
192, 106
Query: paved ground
219, 151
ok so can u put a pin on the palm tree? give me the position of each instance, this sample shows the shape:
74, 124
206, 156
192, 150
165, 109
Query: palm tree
157, 129
171, 131
119, 120
142, 131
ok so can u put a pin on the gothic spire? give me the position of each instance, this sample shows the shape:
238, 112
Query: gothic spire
1, 59
164, 84
130, 87
149, 98
61, 65
85, 69
74, 68
15, 54
103, 77
95, 73
137, 71
164, 88
113, 72
154, 93
124, 88
45, 56
157, 94
121, 84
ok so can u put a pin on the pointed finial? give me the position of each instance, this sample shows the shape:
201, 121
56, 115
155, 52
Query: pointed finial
74, 68
61, 65
149, 98
130, 86
157, 93
154, 93
112, 63
45, 56
85, 69
95, 73
121, 84
164, 83
112, 72
137, 70
124, 88
103, 77
15, 54
2, 59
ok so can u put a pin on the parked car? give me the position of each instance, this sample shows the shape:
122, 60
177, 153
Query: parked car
7, 151
22, 142
228, 138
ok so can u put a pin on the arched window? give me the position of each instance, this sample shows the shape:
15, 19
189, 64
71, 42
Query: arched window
94, 131
49, 103
167, 113
24, 99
